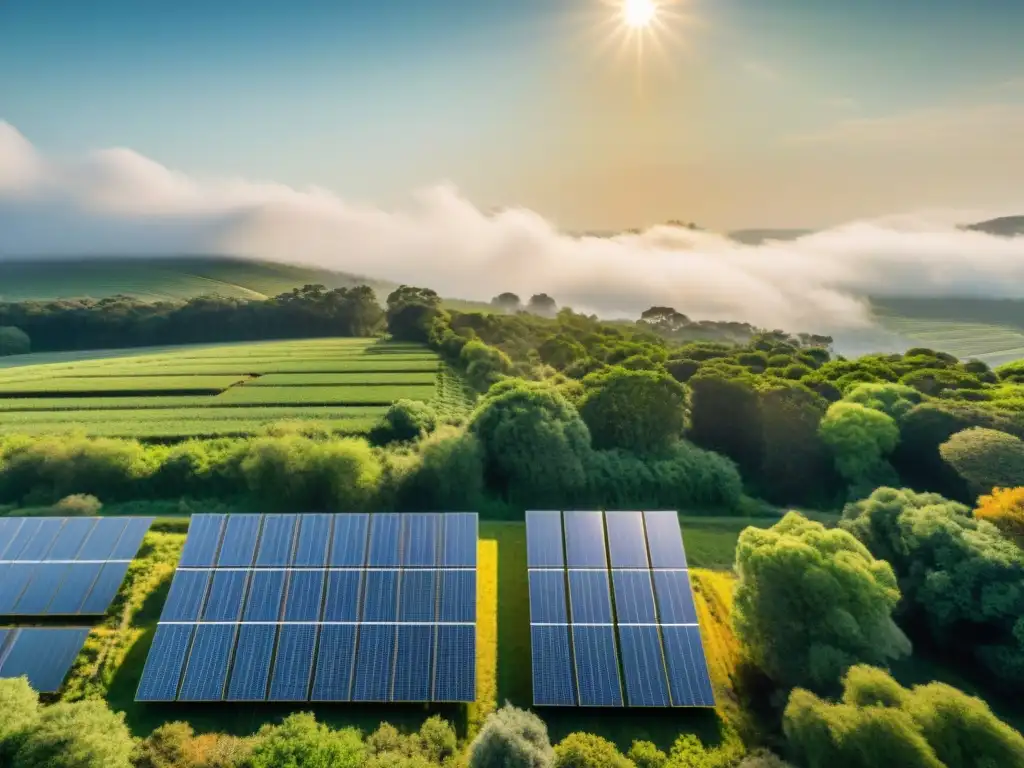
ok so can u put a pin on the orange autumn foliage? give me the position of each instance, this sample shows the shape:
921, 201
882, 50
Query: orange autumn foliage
1004, 508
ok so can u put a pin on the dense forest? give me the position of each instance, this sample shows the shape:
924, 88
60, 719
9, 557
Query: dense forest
919, 455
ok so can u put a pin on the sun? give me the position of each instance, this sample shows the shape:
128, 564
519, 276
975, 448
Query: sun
639, 13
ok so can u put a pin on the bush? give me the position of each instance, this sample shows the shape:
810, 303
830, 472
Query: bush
302, 742
860, 439
511, 738
175, 745
645, 754
638, 410
443, 471
20, 707
78, 505
405, 420
894, 400
985, 458
811, 602
585, 750
1004, 508
438, 739
85, 734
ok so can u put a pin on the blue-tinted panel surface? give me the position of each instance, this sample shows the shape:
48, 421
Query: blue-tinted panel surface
675, 598
458, 596
105, 588
71, 538
634, 600
207, 668
251, 669
627, 544
165, 662
266, 593
597, 669
418, 596
455, 668
103, 539
4, 634
44, 655
128, 545
239, 547
414, 662
22, 537
227, 591
459, 536
76, 585
334, 663
314, 538
687, 669
380, 596
420, 540
385, 540
544, 540
204, 533
643, 667
665, 540
344, 590
41, 542
46, 580
305, 592
8, 529
374, 663
590, 597
276, 540
547, 598
348, 544
553, 679
584, 540
186, 596
13, 580
293, 664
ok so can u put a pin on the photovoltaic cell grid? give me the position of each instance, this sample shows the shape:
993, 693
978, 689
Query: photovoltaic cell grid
65, 566
42, 654
316, 607
612, 616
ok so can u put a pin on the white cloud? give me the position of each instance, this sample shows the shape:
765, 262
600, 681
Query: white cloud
116, 202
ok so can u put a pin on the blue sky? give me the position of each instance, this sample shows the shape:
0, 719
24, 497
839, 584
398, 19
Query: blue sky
781, 113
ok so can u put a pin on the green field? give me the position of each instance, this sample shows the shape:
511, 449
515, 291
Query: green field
235, 389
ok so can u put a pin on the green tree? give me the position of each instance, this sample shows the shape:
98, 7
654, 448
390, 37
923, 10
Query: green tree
484, 364
861, 439
725, 417
511, 738
985, 458
507, 302
645, 754
411, 313
542, 304
85, 734
301, 742
879, 722
640, 411
438, 739
20, 707
175, 745
894, 400
811, 602
14, 341
586, 750
560, 351
405, 420
534, 443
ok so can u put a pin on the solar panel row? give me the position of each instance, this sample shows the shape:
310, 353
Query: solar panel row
387, 540
613, 620
311, 662
42, 654
65, 566
349, 607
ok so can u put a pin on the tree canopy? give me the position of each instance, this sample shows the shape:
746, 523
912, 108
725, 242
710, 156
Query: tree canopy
985, 458
640, 411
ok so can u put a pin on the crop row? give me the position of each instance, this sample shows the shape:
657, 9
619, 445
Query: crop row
176, 429
42, 387
138, 415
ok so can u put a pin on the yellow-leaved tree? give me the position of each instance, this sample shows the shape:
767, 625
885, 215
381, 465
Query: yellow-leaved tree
1004, 508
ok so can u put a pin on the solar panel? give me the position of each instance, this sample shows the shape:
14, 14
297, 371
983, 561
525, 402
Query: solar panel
554, 683
103, 539
544, 540
42, 654
584, 540
73, 590
630, 634
627, 544
46, 580
104, 589
131, 539
16, 577
375, 661
597, 668
319, 608
42, 540
335, 661
22, 536
71, 538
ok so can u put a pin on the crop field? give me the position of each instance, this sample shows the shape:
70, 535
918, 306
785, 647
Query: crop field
344, 385
994, 344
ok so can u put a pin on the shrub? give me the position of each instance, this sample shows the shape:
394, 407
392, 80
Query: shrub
85, 734
585, 750
638, 410
301, 741
1004, 508
78, 504
438, 739
860, 439
985, 458
20, 707
443, 471
405, 420
511, 738
645, 754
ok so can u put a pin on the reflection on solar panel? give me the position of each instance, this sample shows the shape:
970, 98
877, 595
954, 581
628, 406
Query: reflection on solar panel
65, 566
42, 654
290, 608
612, 616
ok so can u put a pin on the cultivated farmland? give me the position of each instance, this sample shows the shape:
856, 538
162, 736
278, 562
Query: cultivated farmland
344, 385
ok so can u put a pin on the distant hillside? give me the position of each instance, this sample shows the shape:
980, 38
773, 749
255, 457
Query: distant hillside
758, 236
161, 278
1006, 226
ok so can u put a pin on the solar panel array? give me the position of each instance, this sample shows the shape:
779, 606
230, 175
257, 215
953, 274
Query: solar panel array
317, 607
612, 617
42, 654
65, 566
